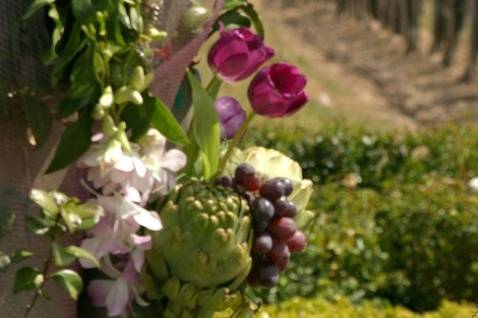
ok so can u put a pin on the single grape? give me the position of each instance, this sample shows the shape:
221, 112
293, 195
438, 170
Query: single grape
242, 172
284, 207
282, 228
297, 242
245, 176
225, 181
273, 189
279, 254
251, 183
262, 243
282, 264
262, 213
268, 275
288, 186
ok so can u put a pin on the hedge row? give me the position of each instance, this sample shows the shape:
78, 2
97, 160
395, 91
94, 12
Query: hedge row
301, 308
336, 152
395, 218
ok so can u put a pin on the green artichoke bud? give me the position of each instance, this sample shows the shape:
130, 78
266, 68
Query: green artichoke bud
205, 244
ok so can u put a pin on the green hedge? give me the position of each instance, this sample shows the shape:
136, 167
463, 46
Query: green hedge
317, 308
408, 232
337, 151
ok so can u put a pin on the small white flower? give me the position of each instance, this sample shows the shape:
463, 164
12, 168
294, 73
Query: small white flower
163, 163
123, 209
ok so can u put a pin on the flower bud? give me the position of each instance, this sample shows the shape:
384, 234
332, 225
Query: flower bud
106, 100
278, 91
193, 18
99, 112
231, 116
128, 95
156, 35
137, 79
238, 54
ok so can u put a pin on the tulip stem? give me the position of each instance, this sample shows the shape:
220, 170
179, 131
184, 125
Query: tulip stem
214, 86
235, 142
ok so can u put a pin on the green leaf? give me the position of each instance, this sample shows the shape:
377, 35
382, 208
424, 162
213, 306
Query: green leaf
75, 141
78, 252
39, 118
5, 262
123, 16
39, 226
84, 89
46, 201
136, 19
256, 20
233, 19
137, 119
234, 4
74, 45
35, 6
205, 127
164, 121
183, 101
81, 8
70, 281
27, 278
50, 55
60, 257
20, 255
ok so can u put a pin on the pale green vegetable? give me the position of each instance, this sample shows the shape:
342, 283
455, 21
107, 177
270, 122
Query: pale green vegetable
202, 254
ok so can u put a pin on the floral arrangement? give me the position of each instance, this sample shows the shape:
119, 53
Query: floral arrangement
179, 221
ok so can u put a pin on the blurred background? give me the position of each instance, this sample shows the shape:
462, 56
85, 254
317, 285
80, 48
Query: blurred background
390, 140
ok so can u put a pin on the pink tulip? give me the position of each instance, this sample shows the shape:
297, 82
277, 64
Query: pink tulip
238, 54
278, 91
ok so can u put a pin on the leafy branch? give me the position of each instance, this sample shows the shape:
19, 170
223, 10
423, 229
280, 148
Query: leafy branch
60, 215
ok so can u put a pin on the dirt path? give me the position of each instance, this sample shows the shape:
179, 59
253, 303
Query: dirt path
383, 83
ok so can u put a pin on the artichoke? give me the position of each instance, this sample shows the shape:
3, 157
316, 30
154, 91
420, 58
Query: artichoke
202, 255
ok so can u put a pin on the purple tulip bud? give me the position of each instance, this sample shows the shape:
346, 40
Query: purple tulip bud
231, 116
238, 53
278, 91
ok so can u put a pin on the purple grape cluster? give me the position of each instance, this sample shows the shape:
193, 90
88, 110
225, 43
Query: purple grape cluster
275, 232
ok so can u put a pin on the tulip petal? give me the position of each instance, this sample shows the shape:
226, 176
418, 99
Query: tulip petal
297, 104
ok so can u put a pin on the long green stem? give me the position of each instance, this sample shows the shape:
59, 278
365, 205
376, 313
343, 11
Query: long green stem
235, 142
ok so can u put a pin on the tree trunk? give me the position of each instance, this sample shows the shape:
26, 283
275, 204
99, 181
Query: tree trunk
410, 16
470, 71
439, 25
455, 15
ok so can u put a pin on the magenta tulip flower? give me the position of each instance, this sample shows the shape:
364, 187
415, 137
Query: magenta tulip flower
238, 54
231, 116
278, 91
